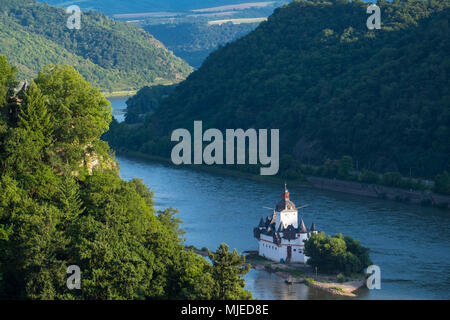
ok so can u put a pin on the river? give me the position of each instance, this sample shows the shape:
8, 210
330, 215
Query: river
118, 105
411, 244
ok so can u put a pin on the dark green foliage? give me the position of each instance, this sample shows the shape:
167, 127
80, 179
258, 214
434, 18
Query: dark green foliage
442, 183
367, 176
7, 80
391, 179
330, 85
336, 254
113, 55
58, 209
228, 269
146, 101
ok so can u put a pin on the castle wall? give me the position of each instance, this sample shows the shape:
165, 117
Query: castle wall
271, 251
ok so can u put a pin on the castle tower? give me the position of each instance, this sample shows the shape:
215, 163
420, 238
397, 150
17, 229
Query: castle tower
285, 211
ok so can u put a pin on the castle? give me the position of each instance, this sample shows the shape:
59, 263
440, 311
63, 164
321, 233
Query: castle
280, 237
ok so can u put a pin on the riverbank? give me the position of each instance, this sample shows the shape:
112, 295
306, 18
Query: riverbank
348, 187
425, 198
116, 94
301, 273
214, 169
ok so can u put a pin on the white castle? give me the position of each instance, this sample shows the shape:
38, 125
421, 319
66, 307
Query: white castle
280, 237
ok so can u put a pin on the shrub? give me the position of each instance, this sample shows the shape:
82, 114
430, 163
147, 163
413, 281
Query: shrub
336, 254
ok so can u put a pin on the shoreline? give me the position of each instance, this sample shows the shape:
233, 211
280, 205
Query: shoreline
300, 273
117, 94
334, 185
303, 273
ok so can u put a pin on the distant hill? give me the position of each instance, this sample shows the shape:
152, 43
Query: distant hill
110, 7
184, 26
330, 85
113, 55
194, 41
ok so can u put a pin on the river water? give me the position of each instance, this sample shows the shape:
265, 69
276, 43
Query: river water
118, 105
410, 244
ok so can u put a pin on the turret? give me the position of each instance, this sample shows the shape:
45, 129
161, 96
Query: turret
261, 223
285, 194
302, 228
313, 228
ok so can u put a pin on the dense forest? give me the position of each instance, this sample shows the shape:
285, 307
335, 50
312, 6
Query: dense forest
63, 203
146, 102
113, 55
334, 89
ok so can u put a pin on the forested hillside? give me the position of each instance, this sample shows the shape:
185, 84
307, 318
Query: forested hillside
331, 86
63, 203
113, 55
147, 101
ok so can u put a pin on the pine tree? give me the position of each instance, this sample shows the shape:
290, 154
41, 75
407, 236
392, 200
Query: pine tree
228, 269
71, 203
34, 116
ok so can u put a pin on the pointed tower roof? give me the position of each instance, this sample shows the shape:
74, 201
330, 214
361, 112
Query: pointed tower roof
302, 227
285, 203
261, 223
313, 227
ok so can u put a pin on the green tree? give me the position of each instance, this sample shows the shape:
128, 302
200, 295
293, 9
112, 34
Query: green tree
81, 114
34, 116
442, 183
227, 271
345, 166
368, 177
336, 253
392, 179
54, 212
70, 201
8, 81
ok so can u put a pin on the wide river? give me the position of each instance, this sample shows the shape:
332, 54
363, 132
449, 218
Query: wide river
410, 244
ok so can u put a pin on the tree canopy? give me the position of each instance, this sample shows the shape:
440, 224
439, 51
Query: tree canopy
62, 203
336, 254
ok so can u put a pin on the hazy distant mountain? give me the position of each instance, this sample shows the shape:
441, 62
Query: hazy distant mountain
110, 7
194, 41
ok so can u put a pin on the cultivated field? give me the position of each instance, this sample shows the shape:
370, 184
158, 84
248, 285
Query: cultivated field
241, 6
237, 21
